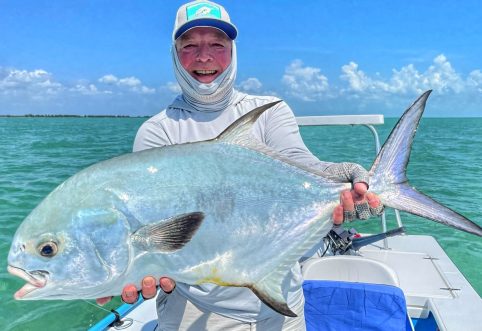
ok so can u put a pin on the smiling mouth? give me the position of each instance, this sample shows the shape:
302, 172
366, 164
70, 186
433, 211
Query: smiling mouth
35, 280
205, 72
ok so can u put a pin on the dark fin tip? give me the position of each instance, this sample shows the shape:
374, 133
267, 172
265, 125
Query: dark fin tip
280, 307
168, 235
180, 231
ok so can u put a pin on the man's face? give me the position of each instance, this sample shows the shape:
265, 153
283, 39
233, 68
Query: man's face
204, 52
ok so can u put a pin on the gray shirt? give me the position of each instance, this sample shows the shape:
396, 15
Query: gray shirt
180, 123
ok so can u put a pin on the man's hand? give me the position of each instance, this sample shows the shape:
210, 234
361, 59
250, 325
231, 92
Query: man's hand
130, 294
353, 204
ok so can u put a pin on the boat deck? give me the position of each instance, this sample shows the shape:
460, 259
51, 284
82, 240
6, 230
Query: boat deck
417, 264
430, 281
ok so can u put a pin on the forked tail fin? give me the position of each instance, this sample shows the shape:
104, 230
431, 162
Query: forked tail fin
388, 175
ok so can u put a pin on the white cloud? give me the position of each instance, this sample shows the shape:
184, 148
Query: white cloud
34, 89
406, 80
440, 76
250, 85
358, 81
129, 81
170, 89
36, 83
26, 77
474, 80
109, 79
40, 84
305, 83
173, 87
146, 90
131, 84
88, 89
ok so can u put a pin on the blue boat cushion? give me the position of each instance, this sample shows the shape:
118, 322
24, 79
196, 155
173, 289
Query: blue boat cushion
335, 305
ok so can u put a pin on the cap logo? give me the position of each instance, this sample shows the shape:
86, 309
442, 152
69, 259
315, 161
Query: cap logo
203, 10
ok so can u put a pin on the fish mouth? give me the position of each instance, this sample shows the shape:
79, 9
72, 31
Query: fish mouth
35, 280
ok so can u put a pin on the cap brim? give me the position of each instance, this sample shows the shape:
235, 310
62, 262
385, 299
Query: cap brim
228, 28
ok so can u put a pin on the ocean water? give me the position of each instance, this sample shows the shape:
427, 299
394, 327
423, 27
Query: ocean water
37, 154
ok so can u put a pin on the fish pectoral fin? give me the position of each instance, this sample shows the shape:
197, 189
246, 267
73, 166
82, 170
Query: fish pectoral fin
271, 295
168, 235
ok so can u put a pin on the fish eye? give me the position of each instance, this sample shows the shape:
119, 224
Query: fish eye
48, 249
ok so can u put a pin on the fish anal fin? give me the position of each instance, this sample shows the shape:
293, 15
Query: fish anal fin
271, 295
168, 235
274, 300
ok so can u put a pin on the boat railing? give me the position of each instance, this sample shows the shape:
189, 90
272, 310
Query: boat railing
368, 121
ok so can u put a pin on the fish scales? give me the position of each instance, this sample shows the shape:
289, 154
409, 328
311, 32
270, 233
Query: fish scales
240, 192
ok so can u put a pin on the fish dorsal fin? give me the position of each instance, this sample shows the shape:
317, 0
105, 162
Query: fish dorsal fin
240, 130
239, 133
168, 235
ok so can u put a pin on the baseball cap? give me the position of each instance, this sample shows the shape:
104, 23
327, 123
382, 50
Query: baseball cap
203, 13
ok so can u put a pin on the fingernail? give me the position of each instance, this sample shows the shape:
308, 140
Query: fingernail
148, 282
129, 297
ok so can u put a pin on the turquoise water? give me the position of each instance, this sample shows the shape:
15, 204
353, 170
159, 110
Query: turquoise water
37, 154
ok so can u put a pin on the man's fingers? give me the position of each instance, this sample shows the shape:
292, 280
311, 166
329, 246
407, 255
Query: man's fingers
129, 294
347, 200
373, 199
358, 203
167, 284
359, 190
348, 206
148, 288
338, 215
103, 301
376, 206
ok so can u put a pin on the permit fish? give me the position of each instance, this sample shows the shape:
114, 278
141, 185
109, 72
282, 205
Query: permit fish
228, 211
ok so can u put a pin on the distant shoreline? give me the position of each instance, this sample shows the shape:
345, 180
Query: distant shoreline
109, 116
147, 116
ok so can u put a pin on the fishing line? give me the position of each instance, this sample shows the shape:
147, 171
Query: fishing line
128, 320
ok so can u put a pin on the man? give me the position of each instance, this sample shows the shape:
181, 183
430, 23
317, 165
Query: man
204, 58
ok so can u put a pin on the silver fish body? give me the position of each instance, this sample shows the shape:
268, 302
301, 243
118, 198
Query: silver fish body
244, 208
227, 211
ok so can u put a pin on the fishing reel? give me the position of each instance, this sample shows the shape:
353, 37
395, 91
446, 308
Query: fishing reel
340, 241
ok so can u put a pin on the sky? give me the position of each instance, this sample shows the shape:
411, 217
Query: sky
112, 57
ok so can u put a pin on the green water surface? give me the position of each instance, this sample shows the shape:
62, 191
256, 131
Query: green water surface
37, 154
